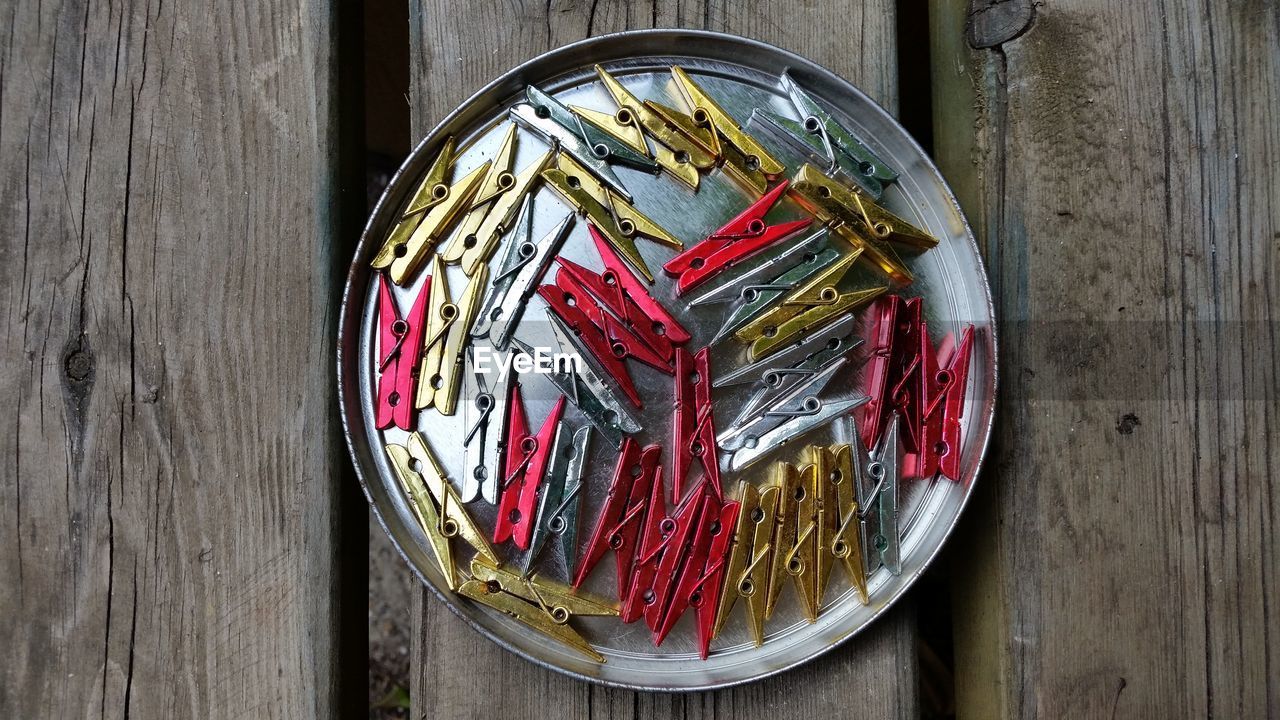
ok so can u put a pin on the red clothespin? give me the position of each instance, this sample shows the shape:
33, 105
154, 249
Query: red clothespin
566, 307
399, 350
879, 342
701, 578
622, 342
626, 297
892, 370
659, 529
657, 596
527, 457
944, 377
909, 337
694, 427
625, 512
740, 238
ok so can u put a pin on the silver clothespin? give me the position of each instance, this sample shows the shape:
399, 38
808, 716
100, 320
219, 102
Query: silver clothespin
878, 498
825, 141
591, 147
484, 415
582, 385
794, 400
783, 383
753, 448
756, 298
522, 268
561, 496
811, 352
601, 144
728, 286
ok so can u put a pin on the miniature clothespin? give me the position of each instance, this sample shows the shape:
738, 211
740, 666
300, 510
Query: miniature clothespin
624, 514
494, 207
433, 501
447, 332
527, 456
399, 353
613, 215
543, 605
519, 273
694, 426
735, 241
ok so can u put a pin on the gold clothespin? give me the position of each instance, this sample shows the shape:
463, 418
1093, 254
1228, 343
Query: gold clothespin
435, 504
674, 152
617, 220
494, 208
845, 542
802, 561
787, 480
497, 181
448, 328
404, 251
455, 519
542, 605
749, 571
823, 462
861, 222
807, 307
424, 508
702, 137
560, 599
744, 157
432, 191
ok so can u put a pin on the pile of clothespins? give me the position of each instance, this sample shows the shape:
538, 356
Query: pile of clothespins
792, 308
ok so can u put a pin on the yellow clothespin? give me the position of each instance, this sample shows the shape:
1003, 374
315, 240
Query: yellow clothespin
802, 561
675, 153
448, 328
845, 543
617, 220
494, 208
745, 158
433, 190
435, 504
784, 477
807, 307
860, 222
543, 605
407, 247
748, 574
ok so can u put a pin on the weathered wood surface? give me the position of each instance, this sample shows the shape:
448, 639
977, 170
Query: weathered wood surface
456, 48
1123, 176
167, 261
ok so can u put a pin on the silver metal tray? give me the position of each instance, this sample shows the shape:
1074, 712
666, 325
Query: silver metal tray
741, 74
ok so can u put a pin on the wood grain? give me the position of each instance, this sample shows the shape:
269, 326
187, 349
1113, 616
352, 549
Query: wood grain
457, 47
1120, 162
167, 504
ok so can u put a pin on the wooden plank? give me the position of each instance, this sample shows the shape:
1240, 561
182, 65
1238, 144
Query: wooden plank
457, 47
168, 496
1120, 160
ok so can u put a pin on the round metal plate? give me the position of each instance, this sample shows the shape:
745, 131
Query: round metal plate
741, 74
